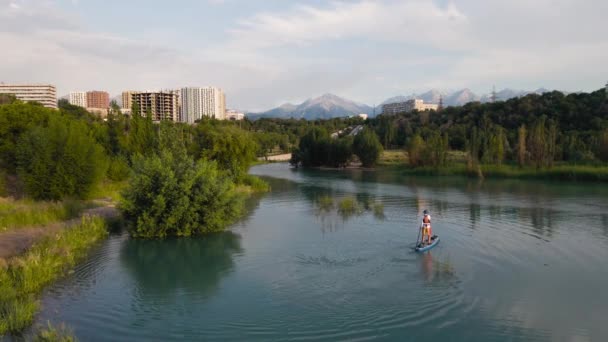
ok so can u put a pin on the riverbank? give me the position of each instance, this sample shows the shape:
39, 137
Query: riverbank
397, 160
24, 276
40, 242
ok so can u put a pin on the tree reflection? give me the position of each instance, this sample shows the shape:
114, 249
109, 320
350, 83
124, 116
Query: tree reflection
195, 265
333, 210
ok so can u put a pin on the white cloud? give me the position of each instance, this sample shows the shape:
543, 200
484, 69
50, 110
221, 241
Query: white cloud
365, 50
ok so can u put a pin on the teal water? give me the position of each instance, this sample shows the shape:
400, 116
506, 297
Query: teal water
518, 261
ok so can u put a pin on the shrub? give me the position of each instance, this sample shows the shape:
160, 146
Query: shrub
118, 169
171, 195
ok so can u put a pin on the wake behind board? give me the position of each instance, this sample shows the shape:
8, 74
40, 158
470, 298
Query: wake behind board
424, 248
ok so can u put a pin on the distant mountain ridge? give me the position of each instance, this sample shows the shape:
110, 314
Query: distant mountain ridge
463, 96
327, 106
331, 106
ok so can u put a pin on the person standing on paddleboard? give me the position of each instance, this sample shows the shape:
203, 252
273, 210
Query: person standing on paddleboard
427, 230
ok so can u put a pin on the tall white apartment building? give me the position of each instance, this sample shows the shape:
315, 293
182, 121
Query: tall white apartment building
199, 102
45, 94
78, 98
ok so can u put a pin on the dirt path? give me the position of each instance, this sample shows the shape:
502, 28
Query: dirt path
15, 242
278, 157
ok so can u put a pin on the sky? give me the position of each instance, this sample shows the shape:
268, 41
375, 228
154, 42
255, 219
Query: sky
264, 53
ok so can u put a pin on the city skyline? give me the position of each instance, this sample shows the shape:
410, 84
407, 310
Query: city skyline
265, 53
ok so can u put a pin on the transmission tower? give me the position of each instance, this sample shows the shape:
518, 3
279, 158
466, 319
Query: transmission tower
493, 97
440, 106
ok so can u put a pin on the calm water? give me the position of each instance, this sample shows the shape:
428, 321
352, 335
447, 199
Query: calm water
518, 261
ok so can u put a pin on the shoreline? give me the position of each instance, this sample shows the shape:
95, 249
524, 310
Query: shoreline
566, 172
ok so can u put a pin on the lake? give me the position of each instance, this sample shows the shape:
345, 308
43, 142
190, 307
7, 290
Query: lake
517, 261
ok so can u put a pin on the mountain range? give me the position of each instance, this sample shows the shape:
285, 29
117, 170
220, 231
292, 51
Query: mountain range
331, 106
323, 107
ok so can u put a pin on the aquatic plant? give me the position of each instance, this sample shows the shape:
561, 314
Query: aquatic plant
53, 333
348, 207
378, 209
325, 203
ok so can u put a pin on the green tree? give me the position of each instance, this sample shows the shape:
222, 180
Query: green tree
233, 149
415, 149
171, 195
60, 160
521, 145
367, 147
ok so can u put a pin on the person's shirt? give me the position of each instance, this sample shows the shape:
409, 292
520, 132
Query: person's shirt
425, 216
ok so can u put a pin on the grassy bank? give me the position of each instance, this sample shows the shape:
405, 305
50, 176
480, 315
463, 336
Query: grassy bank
24, 213
559, 172
22, 278
108, 190
398, 160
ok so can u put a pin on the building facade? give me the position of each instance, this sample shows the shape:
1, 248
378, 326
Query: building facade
98, 99
78, 98
197, 103
234, 115
45, 94
407, 106
162, 105
127, 101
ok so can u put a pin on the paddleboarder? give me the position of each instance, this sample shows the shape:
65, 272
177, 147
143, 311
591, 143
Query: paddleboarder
425, 227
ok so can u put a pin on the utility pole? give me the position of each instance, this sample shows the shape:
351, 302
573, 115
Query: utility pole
493, 96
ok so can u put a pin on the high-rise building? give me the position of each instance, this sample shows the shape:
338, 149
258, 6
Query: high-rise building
407, 106
199, 102
162, 105
127, 101
98, 99
45, 94
78, 98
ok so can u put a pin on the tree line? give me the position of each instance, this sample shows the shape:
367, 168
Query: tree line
182, 178
534, 130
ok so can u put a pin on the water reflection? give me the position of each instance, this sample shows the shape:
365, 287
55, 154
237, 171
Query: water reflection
434, 269
334, 212
195, 265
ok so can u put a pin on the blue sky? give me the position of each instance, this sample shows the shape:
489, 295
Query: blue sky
264, 53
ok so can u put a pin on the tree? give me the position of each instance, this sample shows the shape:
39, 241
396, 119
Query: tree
367, 147
233, 149
171, 195
415, 149
521, 145
60, 160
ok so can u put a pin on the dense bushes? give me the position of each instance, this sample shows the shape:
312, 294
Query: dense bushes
172, 195
59, 160
317, 148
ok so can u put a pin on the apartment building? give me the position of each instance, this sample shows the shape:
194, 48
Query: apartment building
234, 115
197, 103
98, 99
45, 94
78, 98
407, 106
162, 105
127, 101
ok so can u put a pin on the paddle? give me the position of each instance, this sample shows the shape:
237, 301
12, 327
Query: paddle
418, 238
